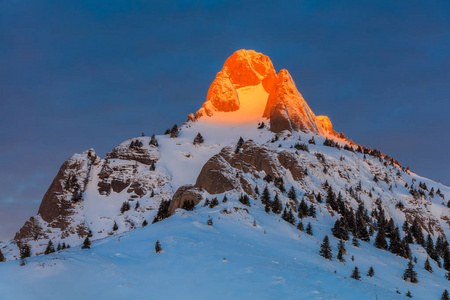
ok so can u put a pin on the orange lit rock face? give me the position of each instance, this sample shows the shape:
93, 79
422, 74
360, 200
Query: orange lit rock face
326, 123
301, 116
248, 88
247, 67
242, 69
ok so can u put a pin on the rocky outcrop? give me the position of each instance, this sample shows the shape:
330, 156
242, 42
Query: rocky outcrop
279, 118
217, 176
185, 193
145, 154
290, 162
326, 123
243, 68
226, 171
298, 111
62, 196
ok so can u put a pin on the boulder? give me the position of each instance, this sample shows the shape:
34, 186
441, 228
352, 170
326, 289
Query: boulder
217, 176
185, 193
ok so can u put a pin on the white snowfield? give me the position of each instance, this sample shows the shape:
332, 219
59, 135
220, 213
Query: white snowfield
233, 259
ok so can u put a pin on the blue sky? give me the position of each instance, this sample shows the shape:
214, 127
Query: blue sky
82, 74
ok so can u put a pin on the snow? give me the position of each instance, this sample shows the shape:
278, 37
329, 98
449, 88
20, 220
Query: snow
232, 259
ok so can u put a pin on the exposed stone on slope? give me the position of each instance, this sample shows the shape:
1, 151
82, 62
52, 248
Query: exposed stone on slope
185, 193
279, 118
146, 155
31, 229
301, 116
61, 197
217, 176
290, 162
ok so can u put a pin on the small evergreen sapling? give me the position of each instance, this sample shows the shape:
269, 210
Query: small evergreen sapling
86, 244
427, 266
158, 248
408, 294
145, 223
198, 139
2, 257
371, 272
50, 248
355, 274
341, 251
309, 229
445, 295
300, 226
115, 227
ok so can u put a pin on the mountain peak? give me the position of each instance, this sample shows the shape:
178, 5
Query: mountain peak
248, 89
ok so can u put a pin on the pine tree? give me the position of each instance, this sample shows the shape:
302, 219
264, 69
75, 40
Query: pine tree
416, 231
145, 223
445, 295
312, 211
153, 141
340, 229
292, 194
158, 248
174, 131
125, 207
199, 139
137, 205
265, 197
325, 248
410, 274
86, 244
2, 257
405, 251
25, 251
115, 227
256, 190
355, 241
215, 202
239, 144
355, 274
303, 209
427, 266
209, 222
300, 225
58, 248
395, 242
225, 199
408, 294
277, 207
288, 216
309, 229
371, 272
163, 211
341, 251
50, 248
380, 240
429, 247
